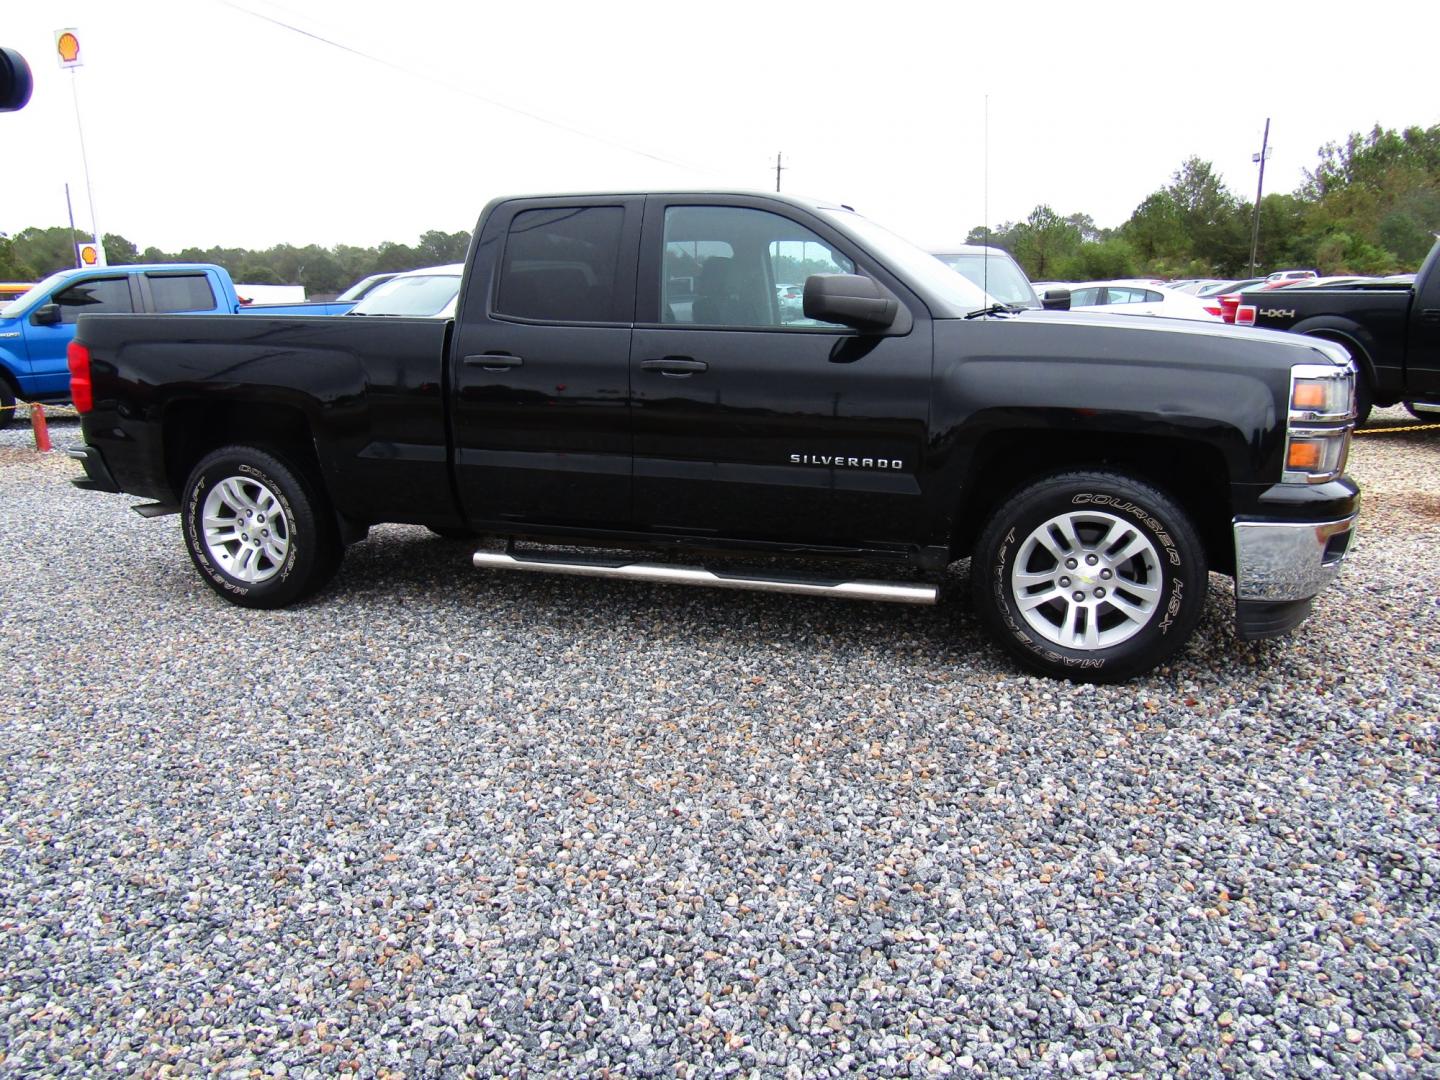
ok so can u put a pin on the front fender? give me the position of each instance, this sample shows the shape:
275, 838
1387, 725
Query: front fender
14, 360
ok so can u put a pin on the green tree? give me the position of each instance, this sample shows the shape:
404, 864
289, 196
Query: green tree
118, 250
1154, 230
46, 250
12, 267
1042, 241
437, 248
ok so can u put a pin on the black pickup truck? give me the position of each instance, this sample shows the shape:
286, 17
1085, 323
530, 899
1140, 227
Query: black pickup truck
1390, 328
624, 372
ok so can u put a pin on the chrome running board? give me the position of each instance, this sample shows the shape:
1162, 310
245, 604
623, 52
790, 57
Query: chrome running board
895, 592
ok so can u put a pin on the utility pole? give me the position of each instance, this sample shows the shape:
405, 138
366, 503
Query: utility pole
70, 212
1259, 189
778, 169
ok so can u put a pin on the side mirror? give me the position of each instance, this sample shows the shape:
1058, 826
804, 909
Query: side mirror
851, 300
46, 315
1056, 300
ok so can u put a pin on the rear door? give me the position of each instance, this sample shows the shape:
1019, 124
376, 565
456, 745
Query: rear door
540, 365
751, 421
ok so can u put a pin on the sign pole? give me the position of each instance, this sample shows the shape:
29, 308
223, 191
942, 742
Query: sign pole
84, 159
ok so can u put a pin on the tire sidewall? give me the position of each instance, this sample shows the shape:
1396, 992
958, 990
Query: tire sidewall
1182, 571
291, 579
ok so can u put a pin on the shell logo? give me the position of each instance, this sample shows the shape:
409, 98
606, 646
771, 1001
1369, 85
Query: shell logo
88, 254
67, 48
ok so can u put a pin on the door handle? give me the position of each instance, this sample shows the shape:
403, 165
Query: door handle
677, 367
494, 361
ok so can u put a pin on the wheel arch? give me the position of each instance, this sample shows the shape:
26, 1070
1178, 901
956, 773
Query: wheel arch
193, 428
1193, 473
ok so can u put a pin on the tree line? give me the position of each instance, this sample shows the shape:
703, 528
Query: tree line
33, 253
1370, 206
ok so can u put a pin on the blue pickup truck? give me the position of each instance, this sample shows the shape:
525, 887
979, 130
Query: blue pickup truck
35, 328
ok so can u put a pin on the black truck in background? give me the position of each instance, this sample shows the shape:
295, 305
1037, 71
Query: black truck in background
1390, 328
628, 371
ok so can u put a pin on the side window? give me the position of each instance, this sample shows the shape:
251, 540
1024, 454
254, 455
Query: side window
1116, 295
1084, 297
96, 297
560, 265
726, 266
1153, 297
181, 292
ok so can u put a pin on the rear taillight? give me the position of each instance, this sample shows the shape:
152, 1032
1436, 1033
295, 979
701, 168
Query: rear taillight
77, 356
1228, 303
1245, 315
1214, 309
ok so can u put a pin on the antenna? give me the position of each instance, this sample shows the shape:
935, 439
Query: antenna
779, 168
985, 206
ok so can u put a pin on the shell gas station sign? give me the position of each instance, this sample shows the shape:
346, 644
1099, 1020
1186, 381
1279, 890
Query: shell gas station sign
67, 48
90, 254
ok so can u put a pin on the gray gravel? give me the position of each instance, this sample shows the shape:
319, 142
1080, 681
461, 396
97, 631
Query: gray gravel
438, 822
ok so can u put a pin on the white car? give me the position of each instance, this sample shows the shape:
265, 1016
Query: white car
429, 292
1132, 297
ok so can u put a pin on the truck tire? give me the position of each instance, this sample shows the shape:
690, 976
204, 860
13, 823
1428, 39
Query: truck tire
258, 529
1091, 576
7, 405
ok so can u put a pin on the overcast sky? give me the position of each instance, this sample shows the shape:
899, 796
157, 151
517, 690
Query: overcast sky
207, 124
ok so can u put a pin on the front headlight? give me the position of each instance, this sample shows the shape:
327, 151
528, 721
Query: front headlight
1324, 397
1321, 393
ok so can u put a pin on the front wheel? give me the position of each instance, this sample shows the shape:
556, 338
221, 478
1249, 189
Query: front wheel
257, 529
1092, 576
7, 405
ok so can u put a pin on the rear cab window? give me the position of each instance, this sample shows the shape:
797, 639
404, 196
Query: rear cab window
171, 292
562, 264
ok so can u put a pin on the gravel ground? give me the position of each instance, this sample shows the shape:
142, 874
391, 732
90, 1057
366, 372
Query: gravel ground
439, 822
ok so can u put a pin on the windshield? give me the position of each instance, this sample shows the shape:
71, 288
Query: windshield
17, 307
910, 261
363, 287
1003, 278
416, 294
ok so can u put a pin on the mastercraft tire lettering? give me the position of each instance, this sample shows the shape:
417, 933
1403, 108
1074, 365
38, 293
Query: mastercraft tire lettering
256, 530
1096, 576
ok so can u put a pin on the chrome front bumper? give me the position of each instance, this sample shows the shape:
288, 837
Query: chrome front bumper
1278, 562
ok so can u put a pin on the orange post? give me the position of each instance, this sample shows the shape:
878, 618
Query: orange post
42, 432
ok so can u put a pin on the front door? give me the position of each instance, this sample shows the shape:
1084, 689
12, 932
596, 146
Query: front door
1422, 355
753, 422
539, 365
47, 344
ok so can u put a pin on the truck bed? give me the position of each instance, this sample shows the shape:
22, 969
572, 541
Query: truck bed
369, 392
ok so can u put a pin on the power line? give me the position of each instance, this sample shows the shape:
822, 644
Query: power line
466, 91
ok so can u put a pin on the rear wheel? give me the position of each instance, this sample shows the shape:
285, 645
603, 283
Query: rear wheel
7, 405
258, 530
1093, 576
